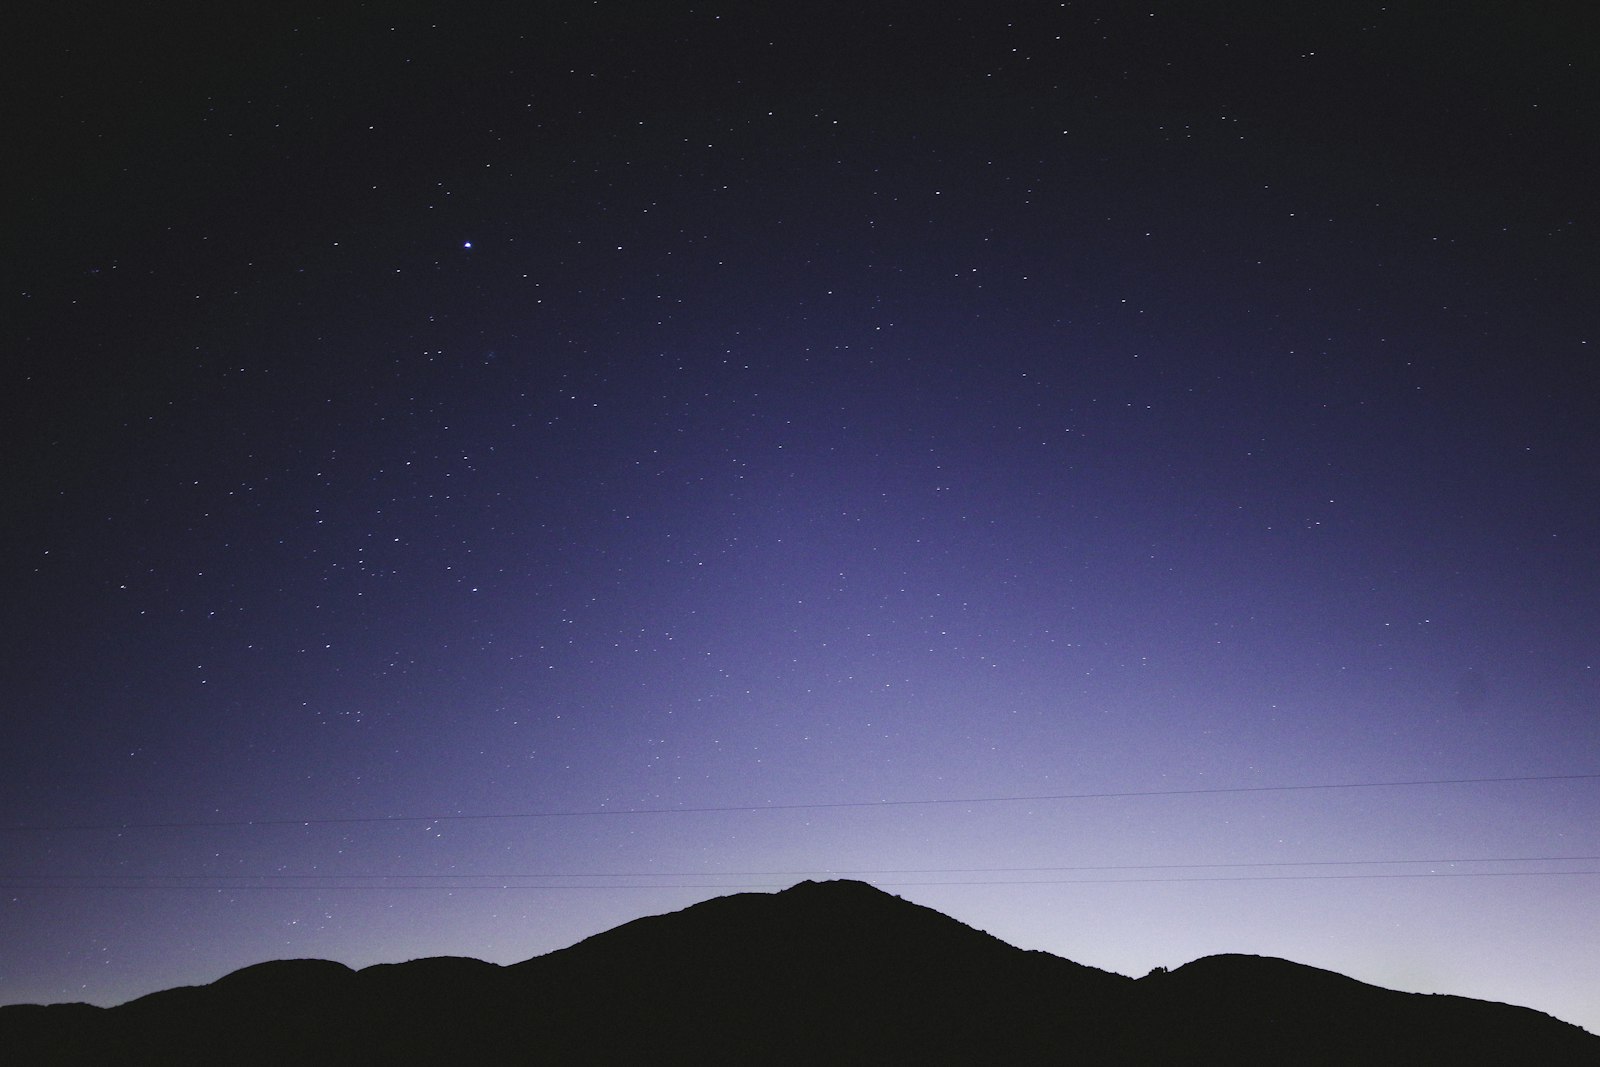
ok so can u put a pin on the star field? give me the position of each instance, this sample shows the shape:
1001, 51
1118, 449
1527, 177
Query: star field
480, 477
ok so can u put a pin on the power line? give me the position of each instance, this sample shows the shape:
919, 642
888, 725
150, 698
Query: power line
782, 885
811, 806
10, 876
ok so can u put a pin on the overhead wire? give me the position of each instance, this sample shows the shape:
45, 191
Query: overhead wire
782, 885
806, 806
465, 880
828, 871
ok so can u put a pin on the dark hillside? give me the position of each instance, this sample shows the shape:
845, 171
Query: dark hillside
834, 972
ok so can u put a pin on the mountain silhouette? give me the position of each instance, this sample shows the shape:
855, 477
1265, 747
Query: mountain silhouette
832, 972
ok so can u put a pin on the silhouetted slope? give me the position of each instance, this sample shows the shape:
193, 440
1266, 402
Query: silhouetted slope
834, 972
839, 968
1235, 1008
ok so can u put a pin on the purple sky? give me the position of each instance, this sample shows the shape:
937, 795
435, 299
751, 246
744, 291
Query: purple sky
425, 415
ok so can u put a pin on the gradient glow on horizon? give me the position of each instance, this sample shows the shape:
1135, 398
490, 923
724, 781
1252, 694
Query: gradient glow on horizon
596, 410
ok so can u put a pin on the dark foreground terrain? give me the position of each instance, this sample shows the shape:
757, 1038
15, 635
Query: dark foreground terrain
832, 972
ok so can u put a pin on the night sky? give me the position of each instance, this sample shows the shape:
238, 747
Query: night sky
474, 478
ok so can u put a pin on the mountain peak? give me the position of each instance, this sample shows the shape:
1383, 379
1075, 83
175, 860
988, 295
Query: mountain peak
850, 885
834, 971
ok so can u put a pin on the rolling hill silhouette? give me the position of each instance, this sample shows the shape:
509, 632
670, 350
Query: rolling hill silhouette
832, 972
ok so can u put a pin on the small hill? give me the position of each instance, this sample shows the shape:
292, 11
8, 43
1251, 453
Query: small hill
831, 972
